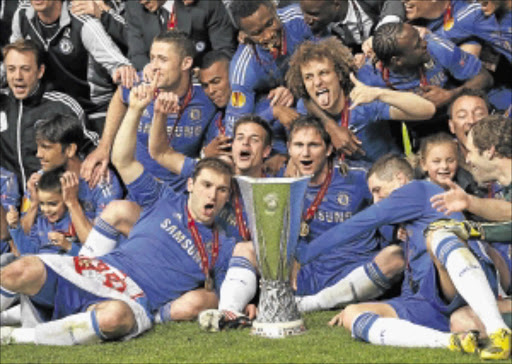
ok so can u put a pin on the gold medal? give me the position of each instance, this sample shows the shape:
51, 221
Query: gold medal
304, 229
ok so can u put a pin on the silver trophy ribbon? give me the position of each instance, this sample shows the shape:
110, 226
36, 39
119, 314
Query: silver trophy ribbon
274, 209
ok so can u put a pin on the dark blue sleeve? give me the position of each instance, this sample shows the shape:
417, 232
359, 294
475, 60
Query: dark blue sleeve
25, 244
461, 65
404, 204
146, 190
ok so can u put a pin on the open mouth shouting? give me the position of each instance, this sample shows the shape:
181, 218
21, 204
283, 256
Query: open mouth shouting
209, 210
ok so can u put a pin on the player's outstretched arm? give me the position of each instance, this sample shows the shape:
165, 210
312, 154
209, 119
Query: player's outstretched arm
123, 151
404, 105
95, 165
159, 146
457, 200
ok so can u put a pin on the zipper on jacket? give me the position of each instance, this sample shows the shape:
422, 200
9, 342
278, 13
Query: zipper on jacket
18, 144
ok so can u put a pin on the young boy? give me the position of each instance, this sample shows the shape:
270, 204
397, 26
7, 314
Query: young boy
53, 230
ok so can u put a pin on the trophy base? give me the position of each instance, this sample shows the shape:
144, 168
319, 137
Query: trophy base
278, 330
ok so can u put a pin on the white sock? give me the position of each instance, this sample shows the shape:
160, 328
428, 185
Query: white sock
357, 286
7, 298
24, 336
101, 240
377, 330
468, 278
11, 316
81, 328
239, 286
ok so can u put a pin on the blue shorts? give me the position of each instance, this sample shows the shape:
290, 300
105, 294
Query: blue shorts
62, 296
427, 307
328, 270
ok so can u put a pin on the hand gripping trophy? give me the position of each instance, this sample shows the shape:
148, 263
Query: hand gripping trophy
274, 210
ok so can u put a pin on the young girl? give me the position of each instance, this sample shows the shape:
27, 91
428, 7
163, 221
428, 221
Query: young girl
439, 162
53, 231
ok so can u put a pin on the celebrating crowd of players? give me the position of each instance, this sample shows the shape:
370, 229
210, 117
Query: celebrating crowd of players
122, 124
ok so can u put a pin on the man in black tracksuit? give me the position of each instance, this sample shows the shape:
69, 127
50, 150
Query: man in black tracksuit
78, 51
23, 104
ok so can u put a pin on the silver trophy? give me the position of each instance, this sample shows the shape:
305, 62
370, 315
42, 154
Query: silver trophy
274, 210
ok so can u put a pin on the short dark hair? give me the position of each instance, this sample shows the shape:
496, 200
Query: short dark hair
308, 121
385, 43
213, 57
241, 9
255, 119
50, 181
64, 129
181, 40
24, 45
388, 165
470, 92
215, 164
493, 131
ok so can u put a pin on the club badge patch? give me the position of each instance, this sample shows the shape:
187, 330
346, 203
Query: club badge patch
65, 46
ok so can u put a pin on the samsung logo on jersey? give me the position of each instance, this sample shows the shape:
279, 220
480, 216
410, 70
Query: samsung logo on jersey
178, 235
332, 216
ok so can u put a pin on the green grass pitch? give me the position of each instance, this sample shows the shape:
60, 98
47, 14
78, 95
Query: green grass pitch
186, 343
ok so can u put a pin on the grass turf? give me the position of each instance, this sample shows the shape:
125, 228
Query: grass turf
186, 343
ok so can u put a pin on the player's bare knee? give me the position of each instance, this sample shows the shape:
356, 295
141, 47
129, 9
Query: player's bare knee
246, 250
25, 275
115, 319
463, 320
119, 212
350, 313
391, 261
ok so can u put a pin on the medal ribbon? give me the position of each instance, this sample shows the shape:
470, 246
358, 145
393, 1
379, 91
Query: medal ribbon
448, 18
240, 221
385, 77
220, 124
198, 242
171, 23
310, 212
345, 118
186, 101
284, 47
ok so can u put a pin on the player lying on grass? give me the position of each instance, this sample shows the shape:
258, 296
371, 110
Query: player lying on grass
173, 249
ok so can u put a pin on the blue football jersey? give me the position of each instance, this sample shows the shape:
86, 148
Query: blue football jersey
37, 241
469, 24
369, 122
408, 205
446, 59
94, 201
189, 134
254, 71
9, 192
160, 254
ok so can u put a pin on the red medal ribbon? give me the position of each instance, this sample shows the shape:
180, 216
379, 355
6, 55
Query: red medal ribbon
310, 212
171, 23
240, 221
198, 242
186, 101
385, 77
220, 124
284, 47
448, 18
345, 118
